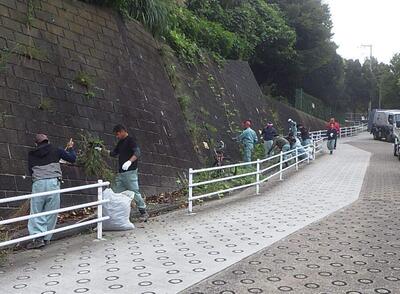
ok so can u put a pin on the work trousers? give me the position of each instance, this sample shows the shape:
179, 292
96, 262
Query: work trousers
129, 181
45, 223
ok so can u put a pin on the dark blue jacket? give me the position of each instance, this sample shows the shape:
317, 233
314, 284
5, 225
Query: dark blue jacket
331, 134
268, 133
43, 162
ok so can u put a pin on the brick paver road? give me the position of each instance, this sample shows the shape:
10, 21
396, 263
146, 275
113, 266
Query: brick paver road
175, 251
355, 250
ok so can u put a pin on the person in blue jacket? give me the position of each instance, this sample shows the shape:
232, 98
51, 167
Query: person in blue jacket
268, 134
44, 167
248, 138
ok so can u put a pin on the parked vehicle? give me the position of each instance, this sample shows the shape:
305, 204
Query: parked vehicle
396, 133
381, 122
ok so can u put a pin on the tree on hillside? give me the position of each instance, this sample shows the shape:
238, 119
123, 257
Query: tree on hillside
311, 20
270, 41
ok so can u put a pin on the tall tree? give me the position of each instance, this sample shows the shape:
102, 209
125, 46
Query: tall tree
311, 20
356, 91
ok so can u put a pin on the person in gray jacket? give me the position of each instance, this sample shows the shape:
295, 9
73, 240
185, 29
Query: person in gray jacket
282, 144
45, 169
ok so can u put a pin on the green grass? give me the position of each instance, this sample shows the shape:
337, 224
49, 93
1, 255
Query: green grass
45, 104
3, 252
83, 79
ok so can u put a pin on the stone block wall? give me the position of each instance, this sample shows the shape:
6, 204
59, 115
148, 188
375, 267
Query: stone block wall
129, 84
66, 39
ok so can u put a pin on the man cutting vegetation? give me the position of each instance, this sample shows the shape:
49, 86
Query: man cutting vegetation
128, 153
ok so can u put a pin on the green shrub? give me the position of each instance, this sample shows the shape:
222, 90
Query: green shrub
184, 102
186, 50
260, 27
93, 161
206, 34
153, 14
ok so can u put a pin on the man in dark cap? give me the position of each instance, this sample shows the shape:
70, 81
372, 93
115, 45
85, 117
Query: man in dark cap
128, 153
45, 169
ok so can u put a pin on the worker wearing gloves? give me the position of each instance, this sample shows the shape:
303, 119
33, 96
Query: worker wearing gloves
45, 169
128, 153
268, 134
292, 127
247, 138
282, 144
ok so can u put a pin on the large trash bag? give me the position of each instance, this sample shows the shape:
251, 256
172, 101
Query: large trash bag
118, 209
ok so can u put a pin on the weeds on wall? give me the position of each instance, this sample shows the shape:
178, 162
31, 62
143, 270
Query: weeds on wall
45, 104
184, 102
22, 50
30, 12
89, 95
85, 80
94, 161
5, 55
31, 52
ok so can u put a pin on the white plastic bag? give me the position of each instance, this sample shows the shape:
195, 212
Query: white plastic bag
119, 210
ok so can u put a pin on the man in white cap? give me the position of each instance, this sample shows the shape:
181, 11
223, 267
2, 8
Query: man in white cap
45, 169
292, 127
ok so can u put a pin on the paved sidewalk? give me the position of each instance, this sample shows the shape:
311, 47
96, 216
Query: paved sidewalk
176, 251
355, 250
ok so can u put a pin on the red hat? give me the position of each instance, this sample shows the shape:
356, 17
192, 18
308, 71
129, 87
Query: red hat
247, 123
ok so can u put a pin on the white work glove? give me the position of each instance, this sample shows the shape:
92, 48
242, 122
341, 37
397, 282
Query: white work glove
126, 165
98, 148
331, 135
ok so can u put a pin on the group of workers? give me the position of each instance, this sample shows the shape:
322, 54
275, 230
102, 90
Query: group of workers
45, 170
272, 140
298, 138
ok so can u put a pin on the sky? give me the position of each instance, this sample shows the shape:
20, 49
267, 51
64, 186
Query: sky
365, 22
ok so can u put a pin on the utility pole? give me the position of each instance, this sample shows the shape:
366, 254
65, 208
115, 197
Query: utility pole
372, 74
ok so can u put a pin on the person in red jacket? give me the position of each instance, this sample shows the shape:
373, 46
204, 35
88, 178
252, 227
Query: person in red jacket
336, 126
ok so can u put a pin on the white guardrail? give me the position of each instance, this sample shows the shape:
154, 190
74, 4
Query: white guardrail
344, 132
99, 203
255, 168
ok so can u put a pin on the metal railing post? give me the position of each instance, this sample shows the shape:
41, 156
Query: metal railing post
297, 158
308, 154
100, 211
314, 151
258, 178
280, 166
190, 204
